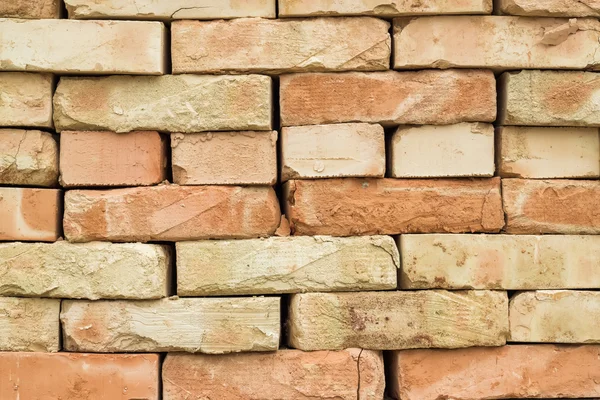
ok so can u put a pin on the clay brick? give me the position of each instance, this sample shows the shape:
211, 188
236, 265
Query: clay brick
555, 316
508, 262
397, 320
112, 159
225, 158
29, 325
286, 265
389, 98
347, 207
286, 374
461, 150
28, 158
496, 42
339, 150
517, 371
68, 376
34, 9
182, 103
525, 152
551, 206
26, 99
281, 46
214, 326
98, 47
30, 214
170, 213
550, 8
90, 271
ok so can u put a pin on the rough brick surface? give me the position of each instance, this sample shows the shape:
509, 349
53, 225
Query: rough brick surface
28, 158
170, 213
37, 9
29, 325
347, 207
389, 98
276, 46
26, 99
30, 214
213, 326
509, 262
287, 374
183, 103
550, 8
397, 320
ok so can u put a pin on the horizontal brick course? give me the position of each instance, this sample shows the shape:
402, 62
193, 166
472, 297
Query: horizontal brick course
26, 99
29, 325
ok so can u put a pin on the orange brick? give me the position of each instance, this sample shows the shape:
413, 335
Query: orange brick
30, 214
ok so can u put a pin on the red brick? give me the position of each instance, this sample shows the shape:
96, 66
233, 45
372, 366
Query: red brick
30, 214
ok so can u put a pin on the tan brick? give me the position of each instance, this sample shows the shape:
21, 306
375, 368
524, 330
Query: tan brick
517, 371
555, 316
397, 320
513, 262
214, 326
30, 214
91, 270
35, 9
280, 46
551, 206
28, 158
225, 158
29, 325
26, 99
550, 8
338, 150
286, 374
68, 376
286, 265
98, 47
495, 42
460, 150
182, 103
170, 213
389, 98
112, 159
337, 206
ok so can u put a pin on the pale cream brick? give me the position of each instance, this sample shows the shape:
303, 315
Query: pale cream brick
26, 99
34, 9
28, 158
550, 8
29, 324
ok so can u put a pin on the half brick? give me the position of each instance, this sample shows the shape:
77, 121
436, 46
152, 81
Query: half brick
30, 9
550, 8
26, 99
28, 158
29, 325
30, 214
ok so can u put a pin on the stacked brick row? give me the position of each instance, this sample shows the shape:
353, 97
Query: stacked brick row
356, 197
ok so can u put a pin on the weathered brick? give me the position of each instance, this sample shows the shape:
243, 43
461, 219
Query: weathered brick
347, 207
397, 320
460, 150
286, 374
35, 9
90, 270
26, 99
30, 214
28, 158
517, 371
225, 158
555, 316
214, 326
278, 46
112, 159
550, 8
512, 262
29, 325
551, 206
286, 265
338, 150
98, 47
170, 213
181, 103
68, 376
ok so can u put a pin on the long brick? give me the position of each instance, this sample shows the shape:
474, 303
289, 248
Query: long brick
508, 262
286, 265
170, 213
182, 103
550, 8
90, 271
389, 98
30, 214
281, 46
286, 374
68, 376
347, 207
34, 9
29, 325
26, 99
98, 47
28, 158
397, 320
551, 206
214, 326
496, 42
517, 371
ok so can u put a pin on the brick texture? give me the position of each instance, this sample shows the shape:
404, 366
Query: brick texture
30, 214
550, 8
28, 158
30, 9
29, 325
26, 99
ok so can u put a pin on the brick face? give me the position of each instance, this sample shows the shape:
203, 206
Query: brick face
550, 8
26, 99
28, 158
29, 325
30, 9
